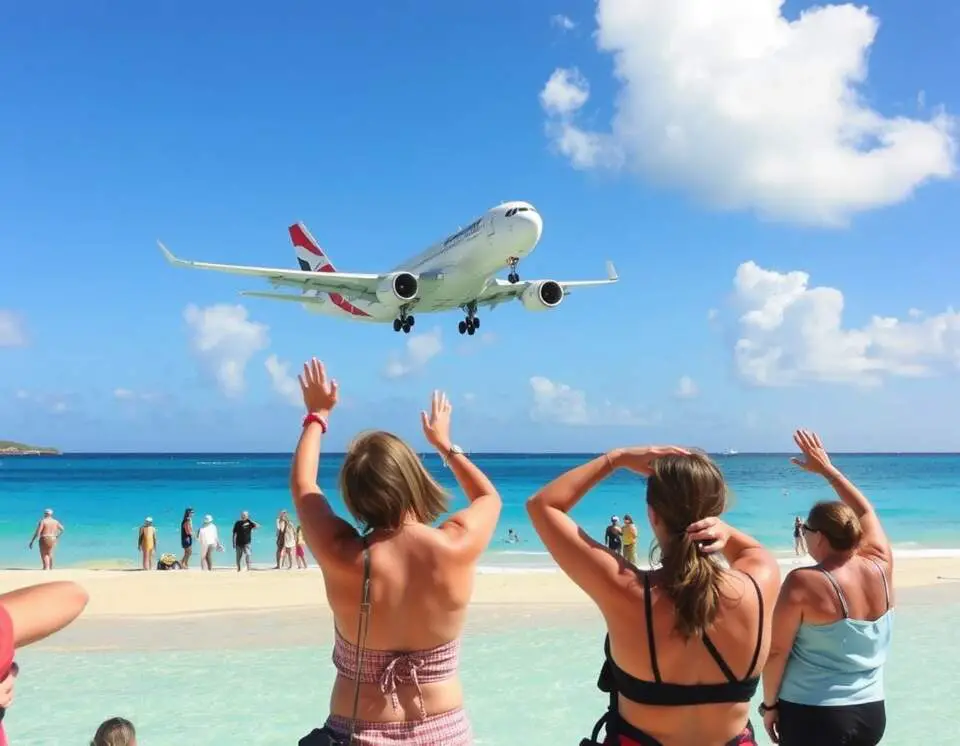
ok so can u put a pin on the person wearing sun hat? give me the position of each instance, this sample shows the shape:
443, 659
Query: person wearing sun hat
209, 538
147, 542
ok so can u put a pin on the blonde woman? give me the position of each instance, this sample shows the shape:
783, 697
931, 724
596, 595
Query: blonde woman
630, 534
399, 590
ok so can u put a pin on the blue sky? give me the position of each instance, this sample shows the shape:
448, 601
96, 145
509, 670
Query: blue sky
736, 149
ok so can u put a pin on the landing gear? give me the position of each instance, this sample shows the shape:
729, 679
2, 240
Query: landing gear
403, 322
470, 324
513, 278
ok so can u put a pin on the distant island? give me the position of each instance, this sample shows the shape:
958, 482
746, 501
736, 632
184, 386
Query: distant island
12, 448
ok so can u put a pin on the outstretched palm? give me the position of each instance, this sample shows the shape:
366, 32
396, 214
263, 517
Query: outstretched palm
319, 393
436, 425
815, 458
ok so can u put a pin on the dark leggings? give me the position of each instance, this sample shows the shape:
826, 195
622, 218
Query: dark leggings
848, 725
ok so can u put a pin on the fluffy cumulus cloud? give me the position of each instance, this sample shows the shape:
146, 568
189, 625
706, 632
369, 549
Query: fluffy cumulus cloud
12, 333
686, 388
225, 339
732, 102
564, 405
790, 332
562, 22
419, 350
284, 383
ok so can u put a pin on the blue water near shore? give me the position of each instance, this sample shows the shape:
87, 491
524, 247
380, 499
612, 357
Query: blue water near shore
103, 499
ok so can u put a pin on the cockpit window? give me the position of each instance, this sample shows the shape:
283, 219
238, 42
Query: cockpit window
510, 212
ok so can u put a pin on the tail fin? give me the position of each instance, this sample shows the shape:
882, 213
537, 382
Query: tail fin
310, 256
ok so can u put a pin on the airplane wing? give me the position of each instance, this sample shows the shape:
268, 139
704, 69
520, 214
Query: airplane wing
350, 284
501, 291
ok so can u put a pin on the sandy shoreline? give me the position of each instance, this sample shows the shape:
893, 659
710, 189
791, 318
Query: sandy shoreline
133, 593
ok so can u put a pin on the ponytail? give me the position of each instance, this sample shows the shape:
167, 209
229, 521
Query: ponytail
692, 581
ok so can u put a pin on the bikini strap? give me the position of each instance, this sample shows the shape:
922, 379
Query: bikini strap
836, 587
648, 608
756, 651
883, 577
362, 626
715, 654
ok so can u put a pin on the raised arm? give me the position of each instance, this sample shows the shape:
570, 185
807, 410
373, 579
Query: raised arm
323, 530
742, 552
38, 611
471, 529
816, 460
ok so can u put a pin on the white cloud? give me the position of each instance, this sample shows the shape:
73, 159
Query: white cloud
12, 333
286, 385
565, 92
562, 22
686, 388
564, 405
789, 332
732, 102
225, 339
420, 349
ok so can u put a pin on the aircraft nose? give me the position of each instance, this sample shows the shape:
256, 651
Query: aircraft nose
530, 225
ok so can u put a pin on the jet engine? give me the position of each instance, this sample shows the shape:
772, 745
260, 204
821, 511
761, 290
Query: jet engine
539, 296
398, 288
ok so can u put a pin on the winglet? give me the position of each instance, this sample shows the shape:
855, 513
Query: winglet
168, 255
611, 271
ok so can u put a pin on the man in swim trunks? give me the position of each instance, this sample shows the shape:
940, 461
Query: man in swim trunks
243, 538
613, 537
147, 542
48, 532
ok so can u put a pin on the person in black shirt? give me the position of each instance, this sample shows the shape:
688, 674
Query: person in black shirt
242, 538
614, 535
186, 537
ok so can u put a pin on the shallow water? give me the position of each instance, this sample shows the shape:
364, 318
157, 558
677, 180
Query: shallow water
529, 682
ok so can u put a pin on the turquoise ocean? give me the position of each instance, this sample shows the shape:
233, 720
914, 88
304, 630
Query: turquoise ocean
266, 692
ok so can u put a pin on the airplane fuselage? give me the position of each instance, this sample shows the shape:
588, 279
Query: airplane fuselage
454, 271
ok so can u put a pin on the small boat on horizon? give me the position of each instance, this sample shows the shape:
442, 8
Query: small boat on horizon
730, 452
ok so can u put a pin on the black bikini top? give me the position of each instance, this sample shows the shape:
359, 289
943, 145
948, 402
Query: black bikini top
614, 680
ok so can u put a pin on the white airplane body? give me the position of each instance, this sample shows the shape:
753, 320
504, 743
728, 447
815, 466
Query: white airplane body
457, 272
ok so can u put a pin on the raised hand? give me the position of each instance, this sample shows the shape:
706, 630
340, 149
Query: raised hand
640, 458
815, 458
436, 425
711, 534
320, 395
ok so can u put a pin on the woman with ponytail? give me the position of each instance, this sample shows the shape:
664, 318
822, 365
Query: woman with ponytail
687, 639
823, 682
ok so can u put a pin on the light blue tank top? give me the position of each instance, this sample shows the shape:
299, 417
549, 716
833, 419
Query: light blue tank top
839, 663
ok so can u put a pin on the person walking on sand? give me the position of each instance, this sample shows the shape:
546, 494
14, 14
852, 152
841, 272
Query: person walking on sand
630, 534
413, 580
209, 538
301, 549
833, 622
48, 532
243, 538
799, 542
186, 537
147, 542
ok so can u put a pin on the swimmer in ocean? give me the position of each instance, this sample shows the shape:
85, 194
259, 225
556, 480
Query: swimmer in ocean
48, 533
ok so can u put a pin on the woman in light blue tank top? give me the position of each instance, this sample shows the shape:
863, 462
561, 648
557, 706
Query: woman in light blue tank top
832, 626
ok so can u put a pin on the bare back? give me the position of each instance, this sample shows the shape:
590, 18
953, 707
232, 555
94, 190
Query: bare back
861, 582
419, 592
735, 635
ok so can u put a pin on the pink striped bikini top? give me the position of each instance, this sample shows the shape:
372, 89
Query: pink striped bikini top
390, 668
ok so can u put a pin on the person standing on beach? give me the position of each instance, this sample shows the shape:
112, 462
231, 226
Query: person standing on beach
614, 535
630, 534
147, 542
833, 623
686, 641
48, 532
243, 538
413, 581
799, 543
186, 537
286, 541
301, 549
209, 538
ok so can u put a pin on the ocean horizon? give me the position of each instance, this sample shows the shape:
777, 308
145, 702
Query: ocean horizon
102, 499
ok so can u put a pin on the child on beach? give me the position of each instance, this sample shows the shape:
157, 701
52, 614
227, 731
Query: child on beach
115, 732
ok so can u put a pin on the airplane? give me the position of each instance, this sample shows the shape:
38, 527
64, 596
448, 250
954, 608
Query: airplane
456, 272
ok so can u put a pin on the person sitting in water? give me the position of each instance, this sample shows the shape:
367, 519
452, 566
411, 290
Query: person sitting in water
397, 665
28, 615
823, 682
115, 732
687, 640
48, 532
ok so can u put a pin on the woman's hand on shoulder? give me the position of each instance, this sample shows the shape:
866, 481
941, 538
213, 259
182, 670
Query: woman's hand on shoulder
436, 424
320, 394
640, 459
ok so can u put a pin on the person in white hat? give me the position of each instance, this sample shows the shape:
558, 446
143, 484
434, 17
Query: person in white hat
147, 542
48, 533
209, 538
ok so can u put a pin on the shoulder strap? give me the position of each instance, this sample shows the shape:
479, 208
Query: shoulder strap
836, 586
362, 625
883, 577
651, 642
